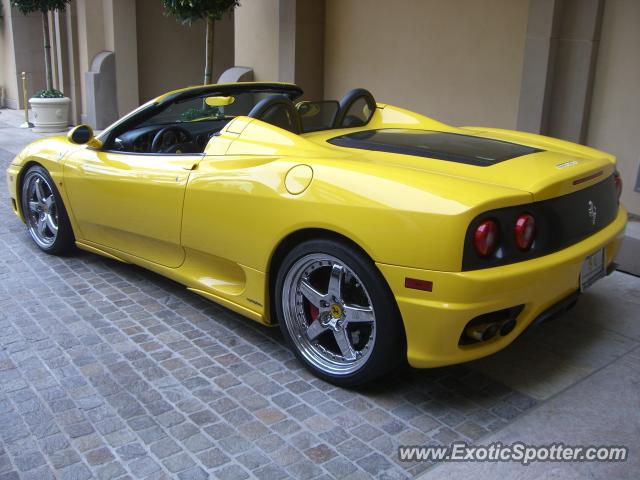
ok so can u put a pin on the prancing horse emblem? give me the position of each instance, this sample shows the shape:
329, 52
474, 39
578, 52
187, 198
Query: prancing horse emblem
592, 211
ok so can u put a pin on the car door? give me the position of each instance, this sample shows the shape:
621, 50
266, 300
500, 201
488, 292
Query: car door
130, 202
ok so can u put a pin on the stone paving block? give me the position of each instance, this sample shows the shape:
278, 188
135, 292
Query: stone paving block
99, 456
219, 430
375, 464
28, 461
203, 417
79, 429
40, 473
178, 462
213, 458
164, 448
320, 453
64, 458
269, 443
287, 455
198, 442
131, 451
77, 471
183, 430
110, 471
5, 463
340, 467
120, 437
152, 434
194, 473
252, 459
232, 472
87, 442
170, 418
54, 443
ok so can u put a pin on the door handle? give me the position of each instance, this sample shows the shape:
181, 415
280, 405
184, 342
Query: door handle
193, 166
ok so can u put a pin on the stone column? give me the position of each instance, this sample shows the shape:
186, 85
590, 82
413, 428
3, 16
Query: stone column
22, 44
121, 38
559, 65
64, 35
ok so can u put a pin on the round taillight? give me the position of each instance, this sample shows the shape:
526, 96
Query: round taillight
485, 238
618, 182
525, 231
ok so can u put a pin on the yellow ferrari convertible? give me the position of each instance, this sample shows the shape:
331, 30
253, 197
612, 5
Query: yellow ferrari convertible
371, 234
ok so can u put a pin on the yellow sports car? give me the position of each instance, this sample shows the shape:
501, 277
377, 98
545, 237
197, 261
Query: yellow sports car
369, 233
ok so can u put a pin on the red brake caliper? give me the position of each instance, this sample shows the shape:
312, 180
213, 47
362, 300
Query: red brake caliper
313, 312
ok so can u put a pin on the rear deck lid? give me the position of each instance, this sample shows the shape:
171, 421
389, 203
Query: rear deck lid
453, 147
542, 172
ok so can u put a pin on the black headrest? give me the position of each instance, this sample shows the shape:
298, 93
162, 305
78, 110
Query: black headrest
356, 109
277, 110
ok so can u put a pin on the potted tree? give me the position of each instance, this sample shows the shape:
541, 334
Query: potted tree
50, 107
190, 11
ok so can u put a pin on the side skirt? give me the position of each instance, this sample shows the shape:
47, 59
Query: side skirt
191, 282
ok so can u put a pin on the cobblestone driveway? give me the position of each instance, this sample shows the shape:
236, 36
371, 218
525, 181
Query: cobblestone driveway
109, 371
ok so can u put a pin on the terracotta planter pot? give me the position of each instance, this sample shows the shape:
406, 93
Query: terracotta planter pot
50, 114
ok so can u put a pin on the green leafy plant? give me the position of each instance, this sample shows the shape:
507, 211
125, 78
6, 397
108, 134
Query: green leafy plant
190, 11
53, 93
44, 7
206, 112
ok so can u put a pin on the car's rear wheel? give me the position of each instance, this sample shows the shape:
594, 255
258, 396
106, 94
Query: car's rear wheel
337, 313
44, 212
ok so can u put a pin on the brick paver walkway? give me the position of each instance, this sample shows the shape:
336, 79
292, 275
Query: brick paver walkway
109, 371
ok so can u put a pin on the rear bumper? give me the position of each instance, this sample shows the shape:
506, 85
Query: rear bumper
434, 321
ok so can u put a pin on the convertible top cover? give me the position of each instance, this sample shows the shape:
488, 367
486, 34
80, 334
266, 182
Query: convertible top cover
453, 147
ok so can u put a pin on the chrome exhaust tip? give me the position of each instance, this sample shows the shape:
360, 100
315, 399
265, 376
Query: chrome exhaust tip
488, 325
483, 331
507, 327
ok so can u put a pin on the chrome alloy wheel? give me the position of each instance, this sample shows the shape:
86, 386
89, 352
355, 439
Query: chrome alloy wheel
41, 210
328, 314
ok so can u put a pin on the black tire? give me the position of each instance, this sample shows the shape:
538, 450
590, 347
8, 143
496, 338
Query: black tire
388, 348
63, 240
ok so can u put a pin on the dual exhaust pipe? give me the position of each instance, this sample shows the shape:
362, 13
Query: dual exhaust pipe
485, 331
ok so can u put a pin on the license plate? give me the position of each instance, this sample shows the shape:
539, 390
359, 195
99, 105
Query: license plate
592, 270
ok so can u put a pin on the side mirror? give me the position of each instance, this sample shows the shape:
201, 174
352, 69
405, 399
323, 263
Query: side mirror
83, 135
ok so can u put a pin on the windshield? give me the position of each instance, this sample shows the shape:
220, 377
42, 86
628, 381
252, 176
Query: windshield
196, 109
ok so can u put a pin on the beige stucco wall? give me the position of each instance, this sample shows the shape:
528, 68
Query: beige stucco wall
459, 61
309, 48
172, 55
256, 38
615, 114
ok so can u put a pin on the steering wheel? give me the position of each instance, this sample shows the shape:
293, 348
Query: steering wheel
164, 143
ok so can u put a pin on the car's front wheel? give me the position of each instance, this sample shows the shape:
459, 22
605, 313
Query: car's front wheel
44, 212
337, 313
